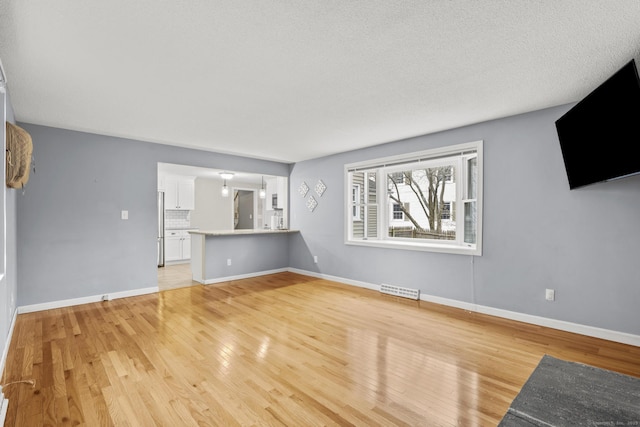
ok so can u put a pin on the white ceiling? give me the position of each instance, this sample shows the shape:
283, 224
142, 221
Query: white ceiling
291, 81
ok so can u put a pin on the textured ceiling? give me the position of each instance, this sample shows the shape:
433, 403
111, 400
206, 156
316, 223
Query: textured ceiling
290, 81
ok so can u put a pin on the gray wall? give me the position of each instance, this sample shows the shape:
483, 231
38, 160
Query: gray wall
537, 233
248, 254
71, 240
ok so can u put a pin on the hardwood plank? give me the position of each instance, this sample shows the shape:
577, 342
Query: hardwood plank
48, 408
282, 349
93, 413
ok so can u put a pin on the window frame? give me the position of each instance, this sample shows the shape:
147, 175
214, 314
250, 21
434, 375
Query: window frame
355, 198
382, 166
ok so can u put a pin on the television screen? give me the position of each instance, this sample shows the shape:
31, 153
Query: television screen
600, 136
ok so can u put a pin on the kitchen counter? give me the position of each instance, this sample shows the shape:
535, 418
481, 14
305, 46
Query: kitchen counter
225, 255
240, 232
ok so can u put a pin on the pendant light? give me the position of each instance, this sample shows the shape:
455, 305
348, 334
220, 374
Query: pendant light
225, 189
262, 193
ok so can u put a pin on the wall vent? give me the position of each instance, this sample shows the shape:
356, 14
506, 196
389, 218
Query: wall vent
400, 292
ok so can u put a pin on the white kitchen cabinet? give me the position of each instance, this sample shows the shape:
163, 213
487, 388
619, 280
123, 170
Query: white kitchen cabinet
186, 247
177, 245
179, 193
172, 249
186, 194
276, 186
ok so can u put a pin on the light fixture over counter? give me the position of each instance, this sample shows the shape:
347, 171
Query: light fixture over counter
225, 189
262, 193
226, 175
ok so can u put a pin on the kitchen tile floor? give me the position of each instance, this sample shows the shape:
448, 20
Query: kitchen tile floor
175, 276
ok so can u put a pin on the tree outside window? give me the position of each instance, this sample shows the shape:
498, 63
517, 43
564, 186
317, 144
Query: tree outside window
427, 191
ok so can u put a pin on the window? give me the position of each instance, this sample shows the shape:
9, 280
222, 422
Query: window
355, 199
410, 201
397, 177
397, 212
445, 213
448, 175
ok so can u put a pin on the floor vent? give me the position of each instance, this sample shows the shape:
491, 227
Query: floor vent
400, 292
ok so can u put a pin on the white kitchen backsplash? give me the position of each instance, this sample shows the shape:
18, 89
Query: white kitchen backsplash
177, 219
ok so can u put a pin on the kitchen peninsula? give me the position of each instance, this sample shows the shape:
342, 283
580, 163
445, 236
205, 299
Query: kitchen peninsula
223, 255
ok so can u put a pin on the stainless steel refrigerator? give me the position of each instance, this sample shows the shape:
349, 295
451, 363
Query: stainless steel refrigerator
160, 228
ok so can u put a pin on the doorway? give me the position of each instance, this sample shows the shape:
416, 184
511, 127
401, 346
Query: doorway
243, 208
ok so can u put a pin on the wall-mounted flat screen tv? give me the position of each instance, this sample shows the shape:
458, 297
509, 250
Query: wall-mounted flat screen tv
600, 135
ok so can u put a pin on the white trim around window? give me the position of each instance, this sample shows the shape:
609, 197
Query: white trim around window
454, 172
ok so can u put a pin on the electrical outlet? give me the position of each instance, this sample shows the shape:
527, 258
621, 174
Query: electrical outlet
315, 259
550, 295
124, 214
228, 261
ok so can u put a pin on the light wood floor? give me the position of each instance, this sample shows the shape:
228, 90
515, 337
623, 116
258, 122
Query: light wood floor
175, 276
282, 349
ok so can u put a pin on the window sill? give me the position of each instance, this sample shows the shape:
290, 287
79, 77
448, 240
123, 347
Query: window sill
411, 246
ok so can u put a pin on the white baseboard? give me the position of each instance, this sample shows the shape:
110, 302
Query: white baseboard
4, 405
577, 328
243, 276
336, 279
8, 343
85, 300
592, 331
178, 262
